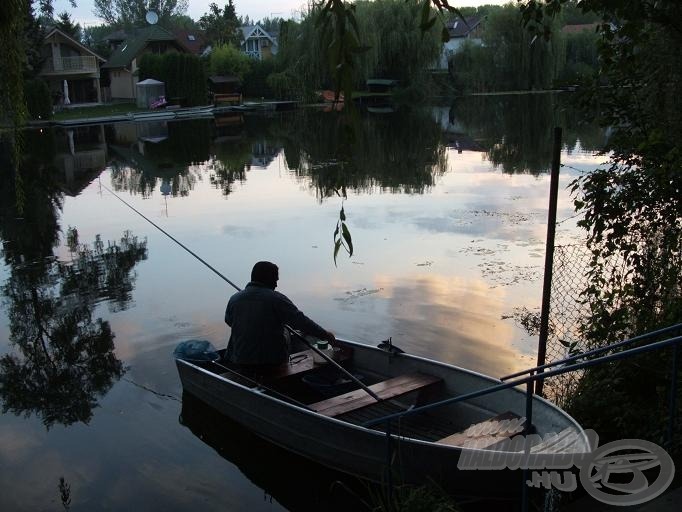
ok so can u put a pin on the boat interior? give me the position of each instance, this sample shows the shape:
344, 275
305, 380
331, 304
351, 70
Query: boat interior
399, 383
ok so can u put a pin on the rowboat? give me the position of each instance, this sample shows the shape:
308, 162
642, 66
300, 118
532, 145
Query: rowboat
307, 407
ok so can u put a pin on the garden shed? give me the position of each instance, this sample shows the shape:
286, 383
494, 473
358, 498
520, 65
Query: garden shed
148, 91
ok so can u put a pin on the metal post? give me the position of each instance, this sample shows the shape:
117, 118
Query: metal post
389, 456
526, 431
673, 399
549, 253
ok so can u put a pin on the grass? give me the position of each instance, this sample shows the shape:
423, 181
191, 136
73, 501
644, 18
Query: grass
96, 111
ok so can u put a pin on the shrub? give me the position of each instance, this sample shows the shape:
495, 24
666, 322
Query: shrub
38, 99
228, 60
256, 80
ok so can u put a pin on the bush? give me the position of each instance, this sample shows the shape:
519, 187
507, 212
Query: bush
283, 86
228, 60
38, 99
256, 80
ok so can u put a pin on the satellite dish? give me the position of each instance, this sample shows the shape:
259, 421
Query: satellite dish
152, 18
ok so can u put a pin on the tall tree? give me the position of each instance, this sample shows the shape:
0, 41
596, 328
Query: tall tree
221, 25
66, 25
133, 12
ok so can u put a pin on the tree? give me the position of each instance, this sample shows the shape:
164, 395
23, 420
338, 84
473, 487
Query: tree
133, 12
66, 25
632, 207
221, 26
228, 60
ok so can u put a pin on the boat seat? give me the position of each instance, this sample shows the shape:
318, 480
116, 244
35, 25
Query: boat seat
487, 433
303, 362
386, 390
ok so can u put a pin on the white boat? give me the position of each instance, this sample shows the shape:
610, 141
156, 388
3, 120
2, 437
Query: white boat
292, 408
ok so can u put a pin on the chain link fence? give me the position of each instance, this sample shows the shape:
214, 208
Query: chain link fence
567, 311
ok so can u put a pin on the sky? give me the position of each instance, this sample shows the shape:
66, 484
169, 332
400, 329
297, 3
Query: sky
255, 9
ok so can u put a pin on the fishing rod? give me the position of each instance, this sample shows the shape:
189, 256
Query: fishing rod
289, 328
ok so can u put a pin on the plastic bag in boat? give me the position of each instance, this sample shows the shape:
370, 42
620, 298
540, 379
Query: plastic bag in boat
196, 350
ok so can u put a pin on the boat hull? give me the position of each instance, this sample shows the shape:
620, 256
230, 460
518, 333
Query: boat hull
353, 449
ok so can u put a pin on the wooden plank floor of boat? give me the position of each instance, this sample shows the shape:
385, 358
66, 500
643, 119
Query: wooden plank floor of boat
385, 390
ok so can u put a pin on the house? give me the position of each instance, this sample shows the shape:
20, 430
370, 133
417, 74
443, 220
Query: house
469, 29
123, 64
193, 40
257, 43
71, 70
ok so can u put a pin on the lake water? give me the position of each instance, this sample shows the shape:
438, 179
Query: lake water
447, 211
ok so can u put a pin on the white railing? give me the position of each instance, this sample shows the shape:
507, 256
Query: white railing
71, 64
253, 54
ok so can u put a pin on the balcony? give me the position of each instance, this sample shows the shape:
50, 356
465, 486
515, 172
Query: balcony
254, 54
66, 65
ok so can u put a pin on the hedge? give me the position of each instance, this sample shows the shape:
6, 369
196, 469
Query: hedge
184, 75
38, 99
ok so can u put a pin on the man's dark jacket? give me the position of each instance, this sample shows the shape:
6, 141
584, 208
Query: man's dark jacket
257, 315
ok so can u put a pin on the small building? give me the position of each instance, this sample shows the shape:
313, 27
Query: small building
469, 29
257, 43
224, 84
123, 64
71, 70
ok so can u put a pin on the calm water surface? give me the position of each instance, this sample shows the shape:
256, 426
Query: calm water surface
447, 211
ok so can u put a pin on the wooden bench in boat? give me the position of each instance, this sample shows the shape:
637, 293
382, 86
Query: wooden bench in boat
386, 390
299, 363
487, 433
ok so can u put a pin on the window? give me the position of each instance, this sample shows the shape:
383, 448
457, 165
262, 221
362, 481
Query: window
191, 37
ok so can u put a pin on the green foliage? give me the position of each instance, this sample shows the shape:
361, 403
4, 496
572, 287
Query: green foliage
183, 74
228, 60
511, 58
340, 46
221, 26
582, 57
129, 13
93, 38
66, 25
283, 85
256, 83
38, 99
400, 46
632, 208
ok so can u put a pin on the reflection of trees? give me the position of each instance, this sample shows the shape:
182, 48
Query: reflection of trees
516, 130
401, 151
67, 360
64, 359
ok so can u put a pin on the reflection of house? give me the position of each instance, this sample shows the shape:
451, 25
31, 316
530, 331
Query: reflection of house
81, 156
454, 134
258, 43
469, 29
67, 60
124, 61
263, 154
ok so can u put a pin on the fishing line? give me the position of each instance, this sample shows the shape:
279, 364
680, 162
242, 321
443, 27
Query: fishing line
170, 236
290, 329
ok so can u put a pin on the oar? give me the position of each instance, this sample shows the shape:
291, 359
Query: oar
324, 356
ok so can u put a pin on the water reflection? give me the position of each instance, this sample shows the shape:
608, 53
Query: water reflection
309, 486
64, 359
516, 131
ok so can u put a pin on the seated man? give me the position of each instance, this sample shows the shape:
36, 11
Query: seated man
257, 316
